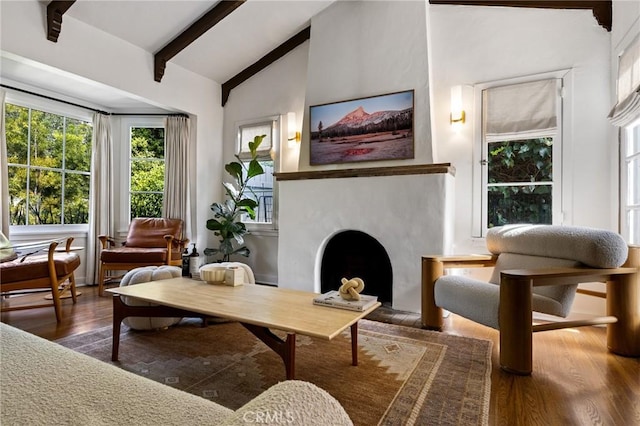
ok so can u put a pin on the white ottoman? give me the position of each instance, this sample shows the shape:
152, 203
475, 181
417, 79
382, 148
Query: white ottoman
143, 275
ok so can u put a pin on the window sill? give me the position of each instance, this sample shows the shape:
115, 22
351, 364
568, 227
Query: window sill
50, 230
262, 230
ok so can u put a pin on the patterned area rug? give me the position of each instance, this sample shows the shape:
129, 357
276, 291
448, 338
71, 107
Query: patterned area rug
405, 375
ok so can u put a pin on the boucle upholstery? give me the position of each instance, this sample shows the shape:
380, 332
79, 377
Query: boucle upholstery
298, 402
473, 299
43, 383
143, 275
593, 247
530, 247
553, 300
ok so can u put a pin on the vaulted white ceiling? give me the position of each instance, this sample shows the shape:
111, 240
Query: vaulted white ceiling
239, 40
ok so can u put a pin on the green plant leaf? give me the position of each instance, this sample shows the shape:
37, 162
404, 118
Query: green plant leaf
249, 207
255, 169
235, 170
247, 202
214, 225
242, 251
253, 145
211, 251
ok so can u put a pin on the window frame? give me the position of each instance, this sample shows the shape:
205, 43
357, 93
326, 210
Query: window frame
562, 183
627, 137
264, 228
125, 159
59, 108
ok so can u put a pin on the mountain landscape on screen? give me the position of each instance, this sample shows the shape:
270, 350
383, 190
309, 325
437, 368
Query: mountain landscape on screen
360, 122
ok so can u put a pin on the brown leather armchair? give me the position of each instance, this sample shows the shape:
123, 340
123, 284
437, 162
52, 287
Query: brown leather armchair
150, 242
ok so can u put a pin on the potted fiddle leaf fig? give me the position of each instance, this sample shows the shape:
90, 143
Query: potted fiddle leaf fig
227, 216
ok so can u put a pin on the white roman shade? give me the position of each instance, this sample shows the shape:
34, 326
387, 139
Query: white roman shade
247, 132
627, 108
520, 110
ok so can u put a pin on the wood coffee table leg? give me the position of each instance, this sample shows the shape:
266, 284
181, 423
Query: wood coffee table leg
354, 344
286, 349
118, 316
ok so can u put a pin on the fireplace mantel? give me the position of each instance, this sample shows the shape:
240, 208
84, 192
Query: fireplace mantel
417, 169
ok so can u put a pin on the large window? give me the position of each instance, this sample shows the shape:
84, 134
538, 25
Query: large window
49, 158
146, 178
518, 173
261, 188
631, 183
626, 115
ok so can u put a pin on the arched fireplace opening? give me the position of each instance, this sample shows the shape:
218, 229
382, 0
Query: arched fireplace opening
350, 254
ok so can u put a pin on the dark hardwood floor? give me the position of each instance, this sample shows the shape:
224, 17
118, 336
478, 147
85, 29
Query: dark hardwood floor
575, 380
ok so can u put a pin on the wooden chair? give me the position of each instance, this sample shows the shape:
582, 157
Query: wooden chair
53, 271
538, 269
150, 242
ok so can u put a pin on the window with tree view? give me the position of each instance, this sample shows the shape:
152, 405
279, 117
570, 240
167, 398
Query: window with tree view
520, 181
146, 185
521, 153
48, 159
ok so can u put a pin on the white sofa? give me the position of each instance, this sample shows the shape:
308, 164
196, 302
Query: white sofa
44, 383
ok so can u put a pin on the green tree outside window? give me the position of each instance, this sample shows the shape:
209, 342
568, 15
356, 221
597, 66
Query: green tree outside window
49, 159
147, 171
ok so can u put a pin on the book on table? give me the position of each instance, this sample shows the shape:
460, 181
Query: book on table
334, 300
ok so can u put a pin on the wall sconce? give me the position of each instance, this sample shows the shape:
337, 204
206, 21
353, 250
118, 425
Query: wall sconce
292, 135
457, 115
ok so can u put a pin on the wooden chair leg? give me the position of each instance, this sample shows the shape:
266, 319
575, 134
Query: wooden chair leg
516, 325
431, 314
53, 282
72, 288
623, 302
101, 280
55, 296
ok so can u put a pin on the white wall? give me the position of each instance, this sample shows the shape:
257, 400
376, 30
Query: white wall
356, 49
471, 45
276, 90
364, 48
87, 52
626, 22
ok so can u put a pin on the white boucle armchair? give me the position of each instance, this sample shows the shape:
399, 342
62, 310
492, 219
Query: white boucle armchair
537, 268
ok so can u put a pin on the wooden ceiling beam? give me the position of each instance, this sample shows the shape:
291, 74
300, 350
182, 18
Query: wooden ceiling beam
601, 9
188, 36
264, 62
55, 10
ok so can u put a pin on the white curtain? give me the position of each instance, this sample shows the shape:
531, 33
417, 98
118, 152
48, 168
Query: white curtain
627, 108
101, 210
518, 109
4, 173
176, 175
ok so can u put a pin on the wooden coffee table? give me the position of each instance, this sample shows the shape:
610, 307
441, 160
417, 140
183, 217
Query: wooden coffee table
258, 308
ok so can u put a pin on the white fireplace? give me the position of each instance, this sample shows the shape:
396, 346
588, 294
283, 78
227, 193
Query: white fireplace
408, 210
